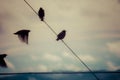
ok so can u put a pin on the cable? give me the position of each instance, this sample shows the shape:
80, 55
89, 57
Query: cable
30, 7
65, 44
50, 28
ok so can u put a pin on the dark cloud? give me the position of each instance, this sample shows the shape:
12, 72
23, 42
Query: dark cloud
118, 1
4, 18
4, 15
1, 29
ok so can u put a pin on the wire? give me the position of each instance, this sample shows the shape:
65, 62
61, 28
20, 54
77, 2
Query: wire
66, 44
30, 7
50, 28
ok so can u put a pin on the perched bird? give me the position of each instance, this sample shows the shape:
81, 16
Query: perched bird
61, 35
23, 35
41, 14
2, 61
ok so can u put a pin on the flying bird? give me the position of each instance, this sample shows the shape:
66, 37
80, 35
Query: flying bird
41, 14
2, 61
23, 35
61, 35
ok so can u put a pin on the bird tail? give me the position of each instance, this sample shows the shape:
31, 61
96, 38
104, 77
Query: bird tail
15, 33
57, 39
42, 19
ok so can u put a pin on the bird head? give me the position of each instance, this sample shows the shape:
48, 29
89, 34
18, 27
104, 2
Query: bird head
64, 31
22, 31
3, 55
41, 8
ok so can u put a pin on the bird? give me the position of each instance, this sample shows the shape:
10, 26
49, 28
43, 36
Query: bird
41, 14
61, 35
23, 35
2, 61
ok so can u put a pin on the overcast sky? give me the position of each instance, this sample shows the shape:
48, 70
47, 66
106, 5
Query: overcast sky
93, 32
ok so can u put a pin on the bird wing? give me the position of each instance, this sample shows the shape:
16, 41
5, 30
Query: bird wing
3, 63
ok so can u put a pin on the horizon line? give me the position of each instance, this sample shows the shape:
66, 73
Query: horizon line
64, 72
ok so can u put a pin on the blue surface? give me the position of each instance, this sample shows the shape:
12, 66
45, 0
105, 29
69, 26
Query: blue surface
61, 76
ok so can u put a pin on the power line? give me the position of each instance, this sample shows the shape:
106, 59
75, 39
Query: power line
30, 7
66, 44
50, 28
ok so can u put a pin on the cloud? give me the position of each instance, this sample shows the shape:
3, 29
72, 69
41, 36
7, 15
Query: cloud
43, 68
1, 28
84, 57
118, 1
96, 34
114, 47
88, 58
112, 67
28, 69
10, 65
67, 55
71, 67
51, 57
16, 49
34, 57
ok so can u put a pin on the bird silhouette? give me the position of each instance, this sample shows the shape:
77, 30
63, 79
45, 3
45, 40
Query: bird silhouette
2, 61
61, 35
23, 35
41, 14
